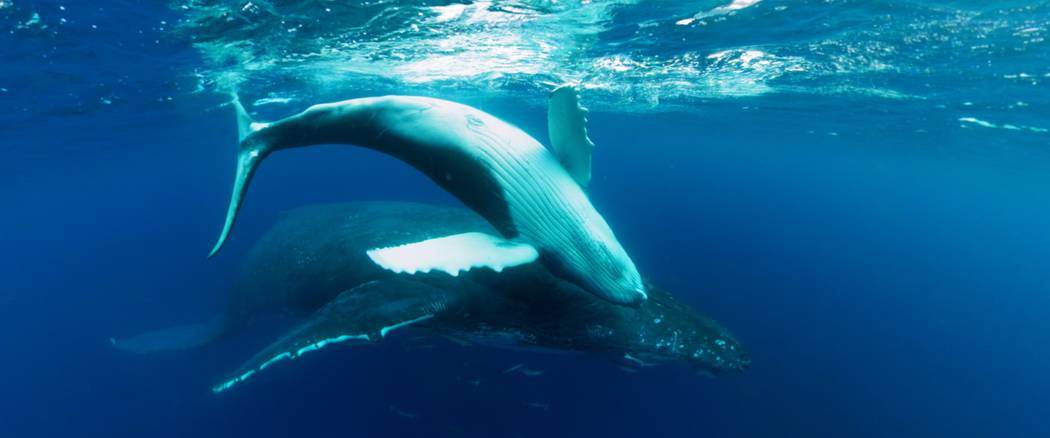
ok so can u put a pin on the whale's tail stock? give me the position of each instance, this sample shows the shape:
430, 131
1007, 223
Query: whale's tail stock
173, 338
249, 154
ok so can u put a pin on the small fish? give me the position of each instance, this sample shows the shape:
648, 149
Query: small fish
404, 414
538, 405
521, 369
627, 369
531, 373
459, 341
636, 360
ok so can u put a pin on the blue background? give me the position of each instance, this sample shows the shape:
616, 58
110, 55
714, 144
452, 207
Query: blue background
887, 269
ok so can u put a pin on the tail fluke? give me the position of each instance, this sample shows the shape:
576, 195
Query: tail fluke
173, 338
249, 155
244, 121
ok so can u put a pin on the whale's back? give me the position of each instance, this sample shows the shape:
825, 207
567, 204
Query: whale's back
315, 252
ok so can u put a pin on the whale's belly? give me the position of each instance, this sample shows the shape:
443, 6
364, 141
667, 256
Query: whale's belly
521, 188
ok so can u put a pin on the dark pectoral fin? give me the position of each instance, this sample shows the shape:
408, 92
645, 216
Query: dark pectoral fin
365, 313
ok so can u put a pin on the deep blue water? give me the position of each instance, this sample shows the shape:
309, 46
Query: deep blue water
857, 189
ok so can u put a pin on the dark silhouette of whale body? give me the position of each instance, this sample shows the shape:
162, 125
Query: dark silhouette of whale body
313, 264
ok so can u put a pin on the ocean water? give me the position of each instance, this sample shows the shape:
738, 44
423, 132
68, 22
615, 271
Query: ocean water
857, 189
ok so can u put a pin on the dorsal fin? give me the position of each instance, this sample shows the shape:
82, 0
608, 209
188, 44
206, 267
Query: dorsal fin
567, 128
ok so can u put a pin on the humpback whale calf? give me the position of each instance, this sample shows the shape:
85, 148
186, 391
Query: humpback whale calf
314, 266
532, 196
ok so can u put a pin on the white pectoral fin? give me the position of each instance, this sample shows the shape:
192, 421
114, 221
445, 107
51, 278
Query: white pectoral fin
567, 128
454, 254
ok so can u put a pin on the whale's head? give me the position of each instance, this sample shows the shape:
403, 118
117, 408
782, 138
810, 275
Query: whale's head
615, 279
599, 264
669, 331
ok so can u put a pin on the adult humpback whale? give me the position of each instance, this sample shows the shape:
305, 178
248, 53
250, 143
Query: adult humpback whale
533, 197
313, 264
